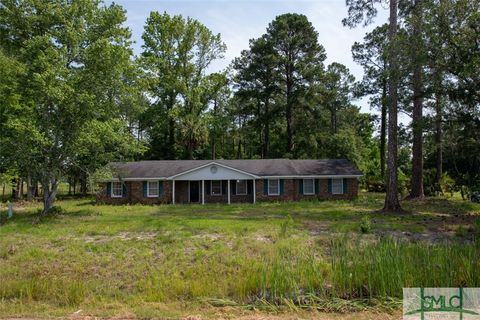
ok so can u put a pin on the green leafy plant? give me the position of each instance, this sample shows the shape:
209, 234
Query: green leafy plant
285, 226
366, 225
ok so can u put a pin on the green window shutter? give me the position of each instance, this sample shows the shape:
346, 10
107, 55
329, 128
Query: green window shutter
124, 189
145, 189
160, 188
265, 186
300, 185
344, 185
233, 186
109, 189
281, 186
250, 186
207, 186
329, 185
317, 190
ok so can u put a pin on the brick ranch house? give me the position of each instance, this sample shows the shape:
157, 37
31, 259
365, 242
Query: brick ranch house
229, 181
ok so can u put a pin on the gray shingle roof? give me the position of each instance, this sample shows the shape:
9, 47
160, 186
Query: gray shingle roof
264, 167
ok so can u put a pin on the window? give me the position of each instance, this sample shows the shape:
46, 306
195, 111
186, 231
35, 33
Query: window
308, 186
273, 187
117, 190
337, 186
152, 189
216, 187
241, 187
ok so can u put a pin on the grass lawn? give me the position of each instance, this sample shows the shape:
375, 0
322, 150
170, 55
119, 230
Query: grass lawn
280, 260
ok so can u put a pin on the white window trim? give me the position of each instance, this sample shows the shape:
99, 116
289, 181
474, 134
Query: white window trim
211, 188
341, 192
121, 190
268, 188
246, 188
313, 187
148, 190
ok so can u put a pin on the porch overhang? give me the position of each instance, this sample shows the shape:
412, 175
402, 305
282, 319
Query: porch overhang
212, 171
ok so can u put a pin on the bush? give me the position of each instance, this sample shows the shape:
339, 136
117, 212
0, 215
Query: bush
54, 211
366, 225
431, 188
284, 226
375, 183
475, 196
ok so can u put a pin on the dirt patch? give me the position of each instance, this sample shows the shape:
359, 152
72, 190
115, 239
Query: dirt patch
122, 236
263, 238
209, 236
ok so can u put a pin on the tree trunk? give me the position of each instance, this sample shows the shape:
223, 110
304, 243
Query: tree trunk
438, 142
383, 129
49, 194
266, 134
214, 151
16, 193
171, 138
190, 151
20, 193
289, 113
239, 149
83, 185
392, 203
417, 118
30, 188
333, 120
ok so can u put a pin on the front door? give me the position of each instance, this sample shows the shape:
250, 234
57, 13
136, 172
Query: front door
194, 191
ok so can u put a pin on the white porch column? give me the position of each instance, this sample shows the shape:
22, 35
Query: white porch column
228, 191
254, 193
203, 191
173, 191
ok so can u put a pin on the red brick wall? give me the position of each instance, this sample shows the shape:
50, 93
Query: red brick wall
291, 192
135, 194
352, 190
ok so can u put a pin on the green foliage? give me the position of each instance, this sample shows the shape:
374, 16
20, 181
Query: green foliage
177, 52
475, 196
447, 184
285, 226
366, 225
75, 62
382, 269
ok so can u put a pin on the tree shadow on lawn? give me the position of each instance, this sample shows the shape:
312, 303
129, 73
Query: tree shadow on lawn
441, 206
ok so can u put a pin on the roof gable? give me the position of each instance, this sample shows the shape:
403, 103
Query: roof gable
213, 171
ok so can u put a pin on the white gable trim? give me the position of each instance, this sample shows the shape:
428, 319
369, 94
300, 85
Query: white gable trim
209, 164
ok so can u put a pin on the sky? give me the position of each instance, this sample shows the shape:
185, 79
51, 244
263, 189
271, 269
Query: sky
237, 21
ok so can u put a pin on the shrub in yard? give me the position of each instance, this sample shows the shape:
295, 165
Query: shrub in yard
284, 226
54, 211
475, 196
431, 188
366, 225
375, 183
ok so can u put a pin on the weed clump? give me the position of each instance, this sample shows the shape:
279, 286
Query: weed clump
366, 225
